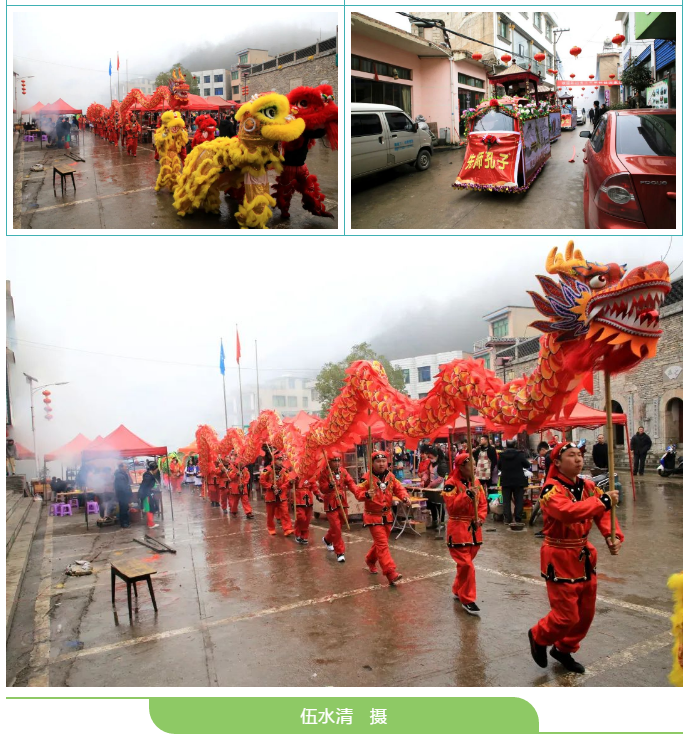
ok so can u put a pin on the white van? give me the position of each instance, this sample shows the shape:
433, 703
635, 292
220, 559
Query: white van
383, 136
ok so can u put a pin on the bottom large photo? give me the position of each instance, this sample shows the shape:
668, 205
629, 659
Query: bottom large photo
473, 481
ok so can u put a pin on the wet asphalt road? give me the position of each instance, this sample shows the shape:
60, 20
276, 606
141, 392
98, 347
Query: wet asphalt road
403, 198
240, 608
116, 191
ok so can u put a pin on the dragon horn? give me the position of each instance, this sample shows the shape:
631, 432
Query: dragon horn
558, 263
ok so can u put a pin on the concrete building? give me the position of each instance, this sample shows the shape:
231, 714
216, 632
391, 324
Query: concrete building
419, 372
651, 395
212, 82
518, 33
146, 85
608, 63
506, 326
309, 66
391, 66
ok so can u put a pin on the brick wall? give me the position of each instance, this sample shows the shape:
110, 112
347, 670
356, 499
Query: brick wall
296, 74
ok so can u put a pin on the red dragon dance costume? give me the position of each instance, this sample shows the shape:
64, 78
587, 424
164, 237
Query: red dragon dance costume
239, 479
277, 486
132, 131
316, 107
304, 509
332, 487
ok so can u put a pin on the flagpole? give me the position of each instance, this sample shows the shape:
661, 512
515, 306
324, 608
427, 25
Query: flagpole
224, 401
241, 397
257, 381
118, 90
110, 72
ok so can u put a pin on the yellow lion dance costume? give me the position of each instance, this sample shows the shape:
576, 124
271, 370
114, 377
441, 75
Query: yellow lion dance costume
676, 586
170, 138
229, 163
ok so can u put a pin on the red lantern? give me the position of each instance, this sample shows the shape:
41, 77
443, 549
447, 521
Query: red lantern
46, 393
612, 76
596, 87
582, 89
591, 76
476, 56
47, 400
619, 39
573, 76
506, 58
552, 71
570, 89
47, 409
49, 417
539, 57
575, 51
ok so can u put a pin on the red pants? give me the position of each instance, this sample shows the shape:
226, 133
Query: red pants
279, 510
132, 145
303, 520
214, 493
379, 551
176, 483
334, 532
298, 178
234, 503
573, 609
464, 582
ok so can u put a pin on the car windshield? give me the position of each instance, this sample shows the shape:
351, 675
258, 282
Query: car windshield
646, 135
494, 121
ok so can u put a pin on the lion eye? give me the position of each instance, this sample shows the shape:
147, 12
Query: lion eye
598, 282
270, 112
303, 103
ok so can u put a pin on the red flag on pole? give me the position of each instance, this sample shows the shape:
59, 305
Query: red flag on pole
118, 61
238, 346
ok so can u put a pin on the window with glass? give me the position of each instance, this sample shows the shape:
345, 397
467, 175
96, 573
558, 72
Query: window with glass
279, 401
385, 93
304, 402
494, 121
235, 75
422, 395
500, 328
292, 402
235, 90
486, 360
424, 374
243, 59
407, 376
398, 122
219, 91
471, 81
365, 124
206, 79
646, 135
206, 93
370, 66
597, 139
548, 31
291, 383
537, 20
503, 29
218, 78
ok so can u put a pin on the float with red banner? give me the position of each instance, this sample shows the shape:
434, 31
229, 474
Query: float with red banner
508, 144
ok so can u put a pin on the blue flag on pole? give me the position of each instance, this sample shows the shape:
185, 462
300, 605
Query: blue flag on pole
110, 68
222, 357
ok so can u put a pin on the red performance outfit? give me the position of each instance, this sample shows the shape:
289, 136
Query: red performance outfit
207, 128
238, 490
331, 484
568, 560
377, 516
176, 475
304, 509
314, 105
277, 487
132, 131
464, 535
214, 485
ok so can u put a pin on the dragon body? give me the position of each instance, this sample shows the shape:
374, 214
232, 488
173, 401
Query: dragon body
598, 317
227, 163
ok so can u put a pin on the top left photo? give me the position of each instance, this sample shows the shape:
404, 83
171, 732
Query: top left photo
235, 127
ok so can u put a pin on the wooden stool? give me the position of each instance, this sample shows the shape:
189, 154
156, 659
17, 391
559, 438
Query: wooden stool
132, 572
64, 171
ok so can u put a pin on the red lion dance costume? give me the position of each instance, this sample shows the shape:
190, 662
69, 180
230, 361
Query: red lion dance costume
207, 128
316, 107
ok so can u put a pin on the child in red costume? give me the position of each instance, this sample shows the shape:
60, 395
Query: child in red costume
304, 509
132, 130
333, 483
276, 482
314, 105
206, 131
238, 487
569, 505
377, 513
464, 532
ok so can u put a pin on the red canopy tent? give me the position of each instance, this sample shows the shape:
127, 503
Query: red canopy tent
23, 452
33, 109
222, 103
121, 443
70, 452
196, 104
59, 107
302, 421
189, 449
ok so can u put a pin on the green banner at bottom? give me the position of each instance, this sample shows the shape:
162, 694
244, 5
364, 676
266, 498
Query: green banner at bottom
322, 714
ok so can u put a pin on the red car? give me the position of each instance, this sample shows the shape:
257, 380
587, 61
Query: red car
630, 174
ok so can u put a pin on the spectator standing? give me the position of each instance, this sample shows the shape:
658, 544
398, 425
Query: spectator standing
597, 113
10, 457
600, 453
485, 458
123, 493
512, 462
640, 446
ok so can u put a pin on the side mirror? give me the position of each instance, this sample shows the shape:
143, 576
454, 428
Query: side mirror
585, 134
415, 127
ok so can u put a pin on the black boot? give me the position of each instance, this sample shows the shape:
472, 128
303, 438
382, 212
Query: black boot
538, 652
567, 661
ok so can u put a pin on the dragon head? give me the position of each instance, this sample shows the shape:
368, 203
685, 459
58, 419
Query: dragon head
268, 117
179, 89
615, 311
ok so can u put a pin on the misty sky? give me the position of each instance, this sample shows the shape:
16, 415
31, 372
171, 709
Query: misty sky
148, 321
589, 27
68, 53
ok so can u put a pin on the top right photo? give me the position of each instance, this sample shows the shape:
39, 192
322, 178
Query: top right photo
561, 119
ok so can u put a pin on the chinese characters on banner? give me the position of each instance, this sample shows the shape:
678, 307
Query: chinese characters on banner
490, 164
340, 716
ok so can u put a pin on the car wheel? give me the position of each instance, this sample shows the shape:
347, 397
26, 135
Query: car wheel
423, 161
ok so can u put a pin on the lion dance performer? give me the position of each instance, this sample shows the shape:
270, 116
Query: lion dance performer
378, 491
206, 131
333, 483
316, 107
676, 585
239, 479
229, 163
467, 510
276, 482
568, 560
170, 138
